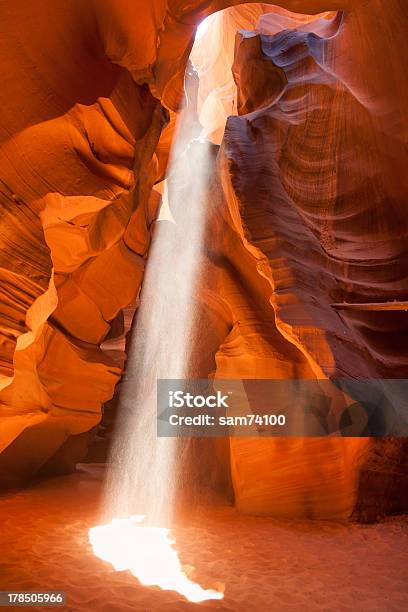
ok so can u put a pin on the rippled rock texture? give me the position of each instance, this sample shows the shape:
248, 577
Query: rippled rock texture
309, 276
312, 176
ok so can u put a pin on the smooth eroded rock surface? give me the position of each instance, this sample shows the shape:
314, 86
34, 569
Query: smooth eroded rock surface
305, 275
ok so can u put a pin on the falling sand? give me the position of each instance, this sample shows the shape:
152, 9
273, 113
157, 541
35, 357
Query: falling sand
145, 470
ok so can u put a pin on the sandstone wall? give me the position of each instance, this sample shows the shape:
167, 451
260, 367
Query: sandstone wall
311, 179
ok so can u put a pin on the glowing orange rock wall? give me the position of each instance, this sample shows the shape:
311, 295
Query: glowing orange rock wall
312, 170
78, 136
312, 183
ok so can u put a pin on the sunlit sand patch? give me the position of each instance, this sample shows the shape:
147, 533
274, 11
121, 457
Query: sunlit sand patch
149, 554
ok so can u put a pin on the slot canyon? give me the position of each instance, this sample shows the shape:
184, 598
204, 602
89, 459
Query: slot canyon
208, 191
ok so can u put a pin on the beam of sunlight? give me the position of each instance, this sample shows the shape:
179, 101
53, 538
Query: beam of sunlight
203, 27
143, 475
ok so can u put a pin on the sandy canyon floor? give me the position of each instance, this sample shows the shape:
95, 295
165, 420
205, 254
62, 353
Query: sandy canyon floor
266, 565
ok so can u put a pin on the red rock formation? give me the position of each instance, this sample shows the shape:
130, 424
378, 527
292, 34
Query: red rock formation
311, 185
319, 207
76, 130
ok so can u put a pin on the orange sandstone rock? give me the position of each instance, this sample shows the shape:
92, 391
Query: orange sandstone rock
309, 201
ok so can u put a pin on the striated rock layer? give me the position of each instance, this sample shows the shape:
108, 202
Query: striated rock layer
307, 248
78, 135
312, 175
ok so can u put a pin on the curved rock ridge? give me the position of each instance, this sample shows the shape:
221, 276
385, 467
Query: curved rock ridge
77, 142
307, 173
336, 204
213, 57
